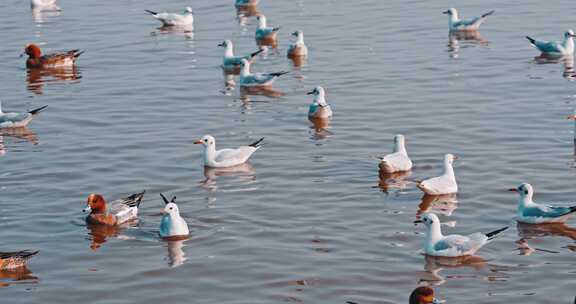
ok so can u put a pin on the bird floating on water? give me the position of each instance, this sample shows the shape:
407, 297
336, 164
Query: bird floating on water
18, 120
398, 160
249, 79
115, 213
319, 108
553, 48
226, 157
60, 59
298, 48
455, 24
174, 19
423, 295
172, 224
15, 259
263, 31
454, 245
44, 5
532, 213
230, 61
443, 184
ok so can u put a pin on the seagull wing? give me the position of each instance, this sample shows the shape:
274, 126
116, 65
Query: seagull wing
548, 47
548, 211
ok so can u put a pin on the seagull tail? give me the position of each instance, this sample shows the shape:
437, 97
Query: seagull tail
151, 12
531, 40
256, 144
256, 53
488, 14
572, 209
492, 235
37, 110
278, 74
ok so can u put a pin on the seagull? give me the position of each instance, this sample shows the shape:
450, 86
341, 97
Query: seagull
226, 157
230, 61
319, 107
453, 245
44, 5
246, 2
248, 79
566, 47
172, 224
60, 59
423, 295
15, 259
115, 213
443, 184
17, 120
455, 24
263, 31
531, 213
174, 19
397, 161
298, 48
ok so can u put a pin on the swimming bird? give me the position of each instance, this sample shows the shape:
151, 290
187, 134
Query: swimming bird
319, 108
226, 157
455, 24
230, 61
115, 213
44, 5
15, 259
246, 3
423, 295
249, 79
60, 59
17, 120
453, 245
263, 31
443, 184
398, 160
532, 213
174, 19
298, 48
172, 224
566, 47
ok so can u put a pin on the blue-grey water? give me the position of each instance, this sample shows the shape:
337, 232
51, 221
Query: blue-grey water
308, 221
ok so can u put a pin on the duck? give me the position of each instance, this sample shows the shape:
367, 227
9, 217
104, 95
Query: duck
454, 245
226, 157
555, 49
115, 213
398, 160
298, 48
60, 59
249, 79
443, 184
530, 212
18, 120
455, 24
230, 61
263, 31
15, 259
319, 108
423, 295
174, 19
172, 224
44, 5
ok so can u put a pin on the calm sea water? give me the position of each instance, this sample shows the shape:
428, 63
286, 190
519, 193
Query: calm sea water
309, 220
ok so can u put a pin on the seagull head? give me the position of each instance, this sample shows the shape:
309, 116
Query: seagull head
399, 139
319, 94
261, 20
423, 295
225, 43
206, 141
188, 10
428, 219
450, 12
450, 158
569, 33
525, 190
170, 208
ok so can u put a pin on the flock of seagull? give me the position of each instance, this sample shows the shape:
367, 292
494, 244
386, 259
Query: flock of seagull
173, 226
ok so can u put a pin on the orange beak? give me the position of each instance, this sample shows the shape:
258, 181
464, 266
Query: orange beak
456, 157
571, 117
198, 142
513, 190
162, 211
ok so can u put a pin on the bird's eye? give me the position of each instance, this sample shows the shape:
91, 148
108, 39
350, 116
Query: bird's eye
171, 208
205, 140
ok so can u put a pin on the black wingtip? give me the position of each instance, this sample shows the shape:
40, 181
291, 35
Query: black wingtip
572, 209
531, 40
78, 53
256, 53
278, 74
494, 233
276, 29
256, 144
166, 202
151, 12
37, 110
488, 13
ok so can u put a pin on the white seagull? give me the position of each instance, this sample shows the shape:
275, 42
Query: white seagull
443, 184
566, 47
264, 31
172, 224
44, 5
230, 61
454, 245
319, 108
240, 3
455, 24
226, 157
298, 48
531, 213
248, 79
17, 120
398, 160
174, 19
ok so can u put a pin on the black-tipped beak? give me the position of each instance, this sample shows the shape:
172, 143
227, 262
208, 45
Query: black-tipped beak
446, 12
418, 222
513, 190
311, 92
221, 44
295, 34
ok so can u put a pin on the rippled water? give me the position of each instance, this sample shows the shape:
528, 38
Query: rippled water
308, 221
